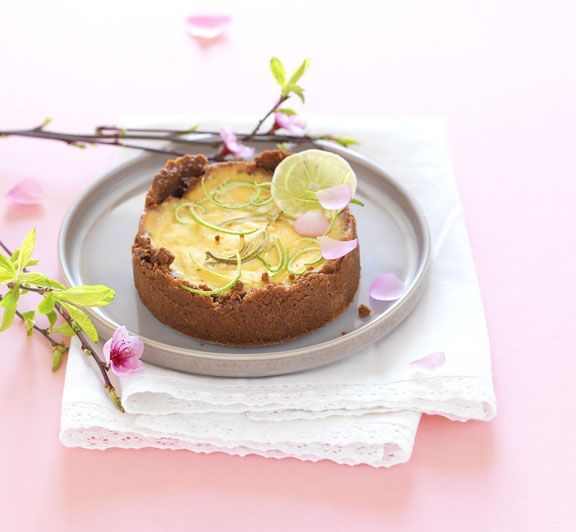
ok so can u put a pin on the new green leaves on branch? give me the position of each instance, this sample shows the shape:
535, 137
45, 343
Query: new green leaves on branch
56, 298
289, 85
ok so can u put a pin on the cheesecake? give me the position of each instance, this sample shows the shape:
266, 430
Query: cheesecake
216, 259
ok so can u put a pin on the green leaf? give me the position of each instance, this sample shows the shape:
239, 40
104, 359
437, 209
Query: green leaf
299, 72
29, 321
56, 357
32, 262
299, 92
282, 146
38, 279
45, 123
356, 202
9, 302
87, 296
26, 250
52, 317
345, 141
278, 71
47, 304
83, 321
14, 257
286, 111
7, 270
63, 329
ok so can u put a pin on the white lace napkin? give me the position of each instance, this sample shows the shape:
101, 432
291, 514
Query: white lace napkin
363, 409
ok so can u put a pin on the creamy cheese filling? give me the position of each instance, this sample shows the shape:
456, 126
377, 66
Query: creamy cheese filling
232, 212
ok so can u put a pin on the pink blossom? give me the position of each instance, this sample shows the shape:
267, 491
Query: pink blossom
430, 362
334, 249
233, 146
123, 351
387, 287
311, 223
27, 192
294, 124
335, 198
207, 26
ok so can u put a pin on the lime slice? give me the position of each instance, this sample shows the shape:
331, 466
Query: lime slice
298, 177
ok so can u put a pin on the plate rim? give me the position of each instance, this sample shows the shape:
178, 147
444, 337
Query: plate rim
350, 338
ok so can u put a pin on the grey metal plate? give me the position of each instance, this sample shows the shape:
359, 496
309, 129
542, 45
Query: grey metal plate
95, 248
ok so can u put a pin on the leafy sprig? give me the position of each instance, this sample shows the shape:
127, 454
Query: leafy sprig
120, 136
57, 301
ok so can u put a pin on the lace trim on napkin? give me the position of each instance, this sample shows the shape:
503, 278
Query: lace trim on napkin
377, 444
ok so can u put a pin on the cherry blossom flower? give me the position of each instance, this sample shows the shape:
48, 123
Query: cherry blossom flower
430, 362
27, 192
334, 249
233, 146
293, 124
123, 351
207, 26
311, 223
335, 198
387, 287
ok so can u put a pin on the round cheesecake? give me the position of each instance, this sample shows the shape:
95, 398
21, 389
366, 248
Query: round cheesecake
216, 259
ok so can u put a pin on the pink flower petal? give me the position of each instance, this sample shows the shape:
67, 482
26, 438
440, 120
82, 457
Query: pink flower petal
136, 346
335, 198
207, 26
387, 287
243, 152
430, 362
294, 124
27, 192
106, 351
125, 369
228, 136
234, 147
334, 249
311, 223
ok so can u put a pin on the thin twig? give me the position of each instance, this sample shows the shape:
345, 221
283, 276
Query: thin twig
164, 135
80, 140
89, 350
280, 101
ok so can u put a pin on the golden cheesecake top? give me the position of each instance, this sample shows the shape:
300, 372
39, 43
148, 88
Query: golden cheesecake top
229, 215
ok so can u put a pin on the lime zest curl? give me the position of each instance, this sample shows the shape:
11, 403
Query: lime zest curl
223, 288
306, 264
207, 270
203, 222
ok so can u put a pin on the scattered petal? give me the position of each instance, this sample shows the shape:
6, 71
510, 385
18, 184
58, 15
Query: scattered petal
233, 146
207, 26
387, 287
335, 198
123, 351
334, 249
294, 124
311, 223
27, 192
430, 362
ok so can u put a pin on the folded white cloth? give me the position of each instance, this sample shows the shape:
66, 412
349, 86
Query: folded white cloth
363, 409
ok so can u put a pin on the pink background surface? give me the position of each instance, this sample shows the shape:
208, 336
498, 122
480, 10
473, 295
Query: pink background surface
501, 73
